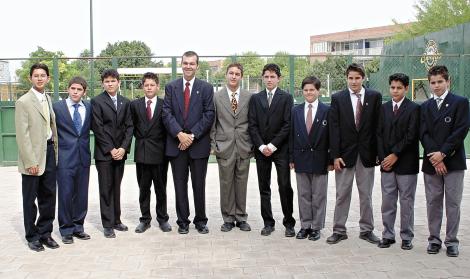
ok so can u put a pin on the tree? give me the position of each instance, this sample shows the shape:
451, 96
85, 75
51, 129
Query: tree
134, 54
434, 15
332, 70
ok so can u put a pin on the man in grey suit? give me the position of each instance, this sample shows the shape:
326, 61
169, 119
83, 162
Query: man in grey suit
232, 146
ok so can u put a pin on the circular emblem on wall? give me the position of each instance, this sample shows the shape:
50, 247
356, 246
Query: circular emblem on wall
431, 54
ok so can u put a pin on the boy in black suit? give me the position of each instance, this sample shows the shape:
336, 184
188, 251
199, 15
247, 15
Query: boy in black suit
353, 146
112, 127
398, 152
308, 154
149, 153
444, 126
269, 128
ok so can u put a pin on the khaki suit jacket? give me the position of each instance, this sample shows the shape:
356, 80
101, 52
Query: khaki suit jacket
31, 132
229, 128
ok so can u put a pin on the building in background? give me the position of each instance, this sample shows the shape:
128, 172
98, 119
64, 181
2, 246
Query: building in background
367, 41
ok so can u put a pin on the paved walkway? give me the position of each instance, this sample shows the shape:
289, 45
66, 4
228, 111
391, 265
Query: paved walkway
235, 254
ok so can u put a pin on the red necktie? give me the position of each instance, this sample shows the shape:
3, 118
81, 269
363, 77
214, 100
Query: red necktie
358, 110
309, 119
186, 100
149, 110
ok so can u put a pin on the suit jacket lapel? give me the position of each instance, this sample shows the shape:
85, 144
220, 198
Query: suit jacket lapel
109, 101
445, 105
365, 107
66, 115
179, 94
400, 111
264, 99
156, 112
317, 123
36, 103
194, 97
275, 99
348, 110
242, 100
226, 100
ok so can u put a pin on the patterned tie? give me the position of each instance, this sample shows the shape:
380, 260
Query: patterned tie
234, 102
186, 100
270, 97
114, 101
77, 119
309, 121
358, 110
439, 102
395, 109
149, 110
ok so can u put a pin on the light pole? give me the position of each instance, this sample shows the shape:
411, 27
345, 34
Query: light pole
92, 62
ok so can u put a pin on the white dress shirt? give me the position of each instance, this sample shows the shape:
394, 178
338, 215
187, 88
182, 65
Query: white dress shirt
191, 83
314, 110
152, 105
237, 94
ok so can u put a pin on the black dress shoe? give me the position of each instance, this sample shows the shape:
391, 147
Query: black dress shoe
267, 230
121, 227
36, 246
165, 227
406, 245
452, 251
369, 237
336, 237
202, 229
290, 232
142, 227
49, 242
433, 248
386, 242
109, 233
303, 233
183, 229
67, 239
314, 235
227, 226
81, 235
244, 226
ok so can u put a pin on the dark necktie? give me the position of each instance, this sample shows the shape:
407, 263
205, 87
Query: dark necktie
77, 119
234, 102
358, 110
186, 100
395, 109
309, 121
149, 110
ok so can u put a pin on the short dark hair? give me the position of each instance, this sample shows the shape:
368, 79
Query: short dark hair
404, 79
109, 73
191, 53
354, 67
38, 66
149, 75
272, 68
439, 70
235, 65
78, 80
312, 80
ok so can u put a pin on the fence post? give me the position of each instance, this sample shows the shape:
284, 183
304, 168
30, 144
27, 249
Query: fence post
291, 75
173, 67
234, 58
462, 75
114, 63
56, 78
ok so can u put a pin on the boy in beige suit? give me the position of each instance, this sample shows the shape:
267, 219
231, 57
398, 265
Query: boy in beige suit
36, 136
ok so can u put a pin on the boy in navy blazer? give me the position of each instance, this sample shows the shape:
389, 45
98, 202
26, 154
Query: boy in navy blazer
398, 152
444, 126
73, 118
308, 155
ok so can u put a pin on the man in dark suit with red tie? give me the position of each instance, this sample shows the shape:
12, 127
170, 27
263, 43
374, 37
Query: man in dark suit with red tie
188, 114
112, 126
353, 146
149, 153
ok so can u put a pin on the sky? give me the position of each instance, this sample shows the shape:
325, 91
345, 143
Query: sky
170, 27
